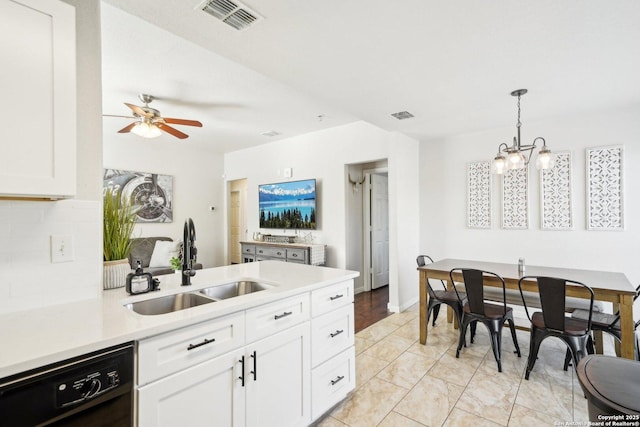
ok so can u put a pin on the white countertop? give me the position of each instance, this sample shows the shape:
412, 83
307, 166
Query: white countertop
38, 337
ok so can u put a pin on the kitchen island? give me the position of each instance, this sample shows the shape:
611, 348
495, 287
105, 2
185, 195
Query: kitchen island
322, 298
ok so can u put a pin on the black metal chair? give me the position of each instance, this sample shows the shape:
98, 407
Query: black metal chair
438, 297
476, 309
553, 321
604, 322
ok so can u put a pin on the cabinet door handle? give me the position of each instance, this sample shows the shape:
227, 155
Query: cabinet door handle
241, 377
285, 314
254, 356
336, 297
337, 380
205, 342
336, 333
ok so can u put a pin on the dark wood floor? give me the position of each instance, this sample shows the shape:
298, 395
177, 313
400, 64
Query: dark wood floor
370, 307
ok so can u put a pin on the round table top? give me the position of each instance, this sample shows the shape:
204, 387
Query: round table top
614, 381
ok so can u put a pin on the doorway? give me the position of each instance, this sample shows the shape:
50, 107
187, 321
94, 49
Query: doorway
237, 219
367, 239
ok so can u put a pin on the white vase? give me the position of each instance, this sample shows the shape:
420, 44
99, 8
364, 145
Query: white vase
114, 273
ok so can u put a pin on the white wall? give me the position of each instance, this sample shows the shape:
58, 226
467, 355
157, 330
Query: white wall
28, 279
323, 155
197, 184
443, 204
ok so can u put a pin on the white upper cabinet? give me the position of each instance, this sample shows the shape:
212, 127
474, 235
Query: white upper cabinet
38, 90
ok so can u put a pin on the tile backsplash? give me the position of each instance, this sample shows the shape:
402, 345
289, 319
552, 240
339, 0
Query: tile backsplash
28, 278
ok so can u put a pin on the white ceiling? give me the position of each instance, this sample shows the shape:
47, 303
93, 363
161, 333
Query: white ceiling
452, 64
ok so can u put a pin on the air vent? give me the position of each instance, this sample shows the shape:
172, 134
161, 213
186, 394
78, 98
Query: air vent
271, 133
402, 115
232, 13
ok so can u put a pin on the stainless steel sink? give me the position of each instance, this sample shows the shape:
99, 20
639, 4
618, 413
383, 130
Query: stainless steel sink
234, 289
168, 304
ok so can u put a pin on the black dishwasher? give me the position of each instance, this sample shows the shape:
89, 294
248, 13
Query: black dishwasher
90, 390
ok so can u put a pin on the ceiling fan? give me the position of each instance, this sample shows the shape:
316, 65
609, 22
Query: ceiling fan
149, 123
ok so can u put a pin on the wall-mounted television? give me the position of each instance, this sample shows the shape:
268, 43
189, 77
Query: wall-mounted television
288, 205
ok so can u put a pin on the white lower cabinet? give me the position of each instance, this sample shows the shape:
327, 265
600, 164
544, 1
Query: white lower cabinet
278, 379
270, 365
266, 383
208, 394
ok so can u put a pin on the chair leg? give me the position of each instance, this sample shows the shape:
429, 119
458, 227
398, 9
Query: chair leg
579, 348
436, 310
463, 332
567, 359
473, 330
430, 309
534, 347
495, 330
512, 326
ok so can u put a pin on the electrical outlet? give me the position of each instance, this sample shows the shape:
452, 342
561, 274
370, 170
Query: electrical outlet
61, 248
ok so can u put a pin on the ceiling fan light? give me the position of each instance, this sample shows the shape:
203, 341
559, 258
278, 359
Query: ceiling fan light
146, 130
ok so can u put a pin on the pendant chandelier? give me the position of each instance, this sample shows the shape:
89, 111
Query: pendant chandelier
517, 156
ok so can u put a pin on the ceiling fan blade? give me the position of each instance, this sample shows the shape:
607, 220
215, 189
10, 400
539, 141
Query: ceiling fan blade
116, 115
173, 131
139, 111
127, 128
182, 122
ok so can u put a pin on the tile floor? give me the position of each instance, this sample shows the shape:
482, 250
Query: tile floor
403, 383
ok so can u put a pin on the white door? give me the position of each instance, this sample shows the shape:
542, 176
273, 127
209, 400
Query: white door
210, 393
278, 394
379, 231
235, 228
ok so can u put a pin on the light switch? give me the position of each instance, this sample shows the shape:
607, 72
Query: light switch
61, 248
288, 172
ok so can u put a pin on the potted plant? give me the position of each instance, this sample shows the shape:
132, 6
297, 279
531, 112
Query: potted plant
176, 264
117, 226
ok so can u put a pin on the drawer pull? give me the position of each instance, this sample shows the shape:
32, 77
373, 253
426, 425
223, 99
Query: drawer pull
336, 297
260, 251
336, 333
278, 253
337, 380
294, 255
285, 314
254, 356
205, 342
241, 377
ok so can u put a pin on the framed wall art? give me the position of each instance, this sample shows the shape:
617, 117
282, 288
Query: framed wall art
479, 195
515, 199
556, 210
605, 203
150, 194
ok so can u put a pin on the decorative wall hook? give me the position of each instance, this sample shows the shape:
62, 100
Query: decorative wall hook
356, 184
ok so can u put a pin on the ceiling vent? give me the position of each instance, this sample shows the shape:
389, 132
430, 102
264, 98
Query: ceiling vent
271, 133
402, 115
232, 13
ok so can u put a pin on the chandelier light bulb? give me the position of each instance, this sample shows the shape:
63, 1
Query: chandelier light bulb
499, 164
515, 160
546, 159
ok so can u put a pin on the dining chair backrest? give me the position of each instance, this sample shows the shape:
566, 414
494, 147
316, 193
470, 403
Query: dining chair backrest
474, 287
423, 260
553, 293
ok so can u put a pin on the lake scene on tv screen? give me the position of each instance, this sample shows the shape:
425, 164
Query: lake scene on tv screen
288, 205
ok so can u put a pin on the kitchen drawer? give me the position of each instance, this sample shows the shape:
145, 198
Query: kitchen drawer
248, 249
331, 297
332, 333
332, 381
296, 255
277, 316
173, 351
271, 252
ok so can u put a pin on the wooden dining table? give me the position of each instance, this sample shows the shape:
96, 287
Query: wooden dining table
607, 286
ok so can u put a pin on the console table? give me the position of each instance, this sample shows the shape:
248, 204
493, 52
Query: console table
288, 252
